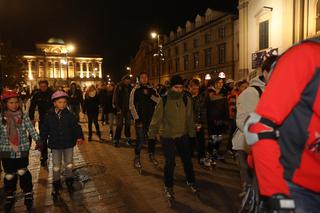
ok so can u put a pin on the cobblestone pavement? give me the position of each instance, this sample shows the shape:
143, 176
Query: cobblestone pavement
109, 183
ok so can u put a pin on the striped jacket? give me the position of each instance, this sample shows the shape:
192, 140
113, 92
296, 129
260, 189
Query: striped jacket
23, 151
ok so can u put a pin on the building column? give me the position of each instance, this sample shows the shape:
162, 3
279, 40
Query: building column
88, 73
61, 70
81, 69
100, 70
30, 75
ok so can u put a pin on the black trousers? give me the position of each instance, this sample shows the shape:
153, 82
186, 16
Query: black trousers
14, 169
142, 135
93, 118
123, 117
44, 150
170, 147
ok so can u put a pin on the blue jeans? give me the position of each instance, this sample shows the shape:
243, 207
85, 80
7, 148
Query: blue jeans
141, 133
306, 201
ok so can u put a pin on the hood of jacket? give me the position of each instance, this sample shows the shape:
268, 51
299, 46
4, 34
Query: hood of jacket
257, 81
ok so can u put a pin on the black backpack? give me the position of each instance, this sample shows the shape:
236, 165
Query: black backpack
258, 89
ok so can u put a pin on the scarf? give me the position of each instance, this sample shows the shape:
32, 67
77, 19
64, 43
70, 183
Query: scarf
13, 122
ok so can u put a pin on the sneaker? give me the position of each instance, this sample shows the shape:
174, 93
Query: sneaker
205, 162
137, 163
128, 142
28, 200
153, 160
192, 186
169, 192
116, 143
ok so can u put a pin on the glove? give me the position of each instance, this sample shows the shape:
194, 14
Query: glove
80, 141
280, 203
138, 123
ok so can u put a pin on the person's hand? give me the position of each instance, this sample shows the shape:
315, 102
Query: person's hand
80, 141
39, 146
138, 123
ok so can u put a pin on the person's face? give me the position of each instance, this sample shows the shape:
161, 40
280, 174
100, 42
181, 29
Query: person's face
13, 104
127, 81
73, 86
177, 88
110, 88
194, 89
219, 84
43, 87
243, 86
266, 76
144, 79
60, 104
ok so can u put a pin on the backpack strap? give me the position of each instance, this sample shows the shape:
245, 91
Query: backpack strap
258, 89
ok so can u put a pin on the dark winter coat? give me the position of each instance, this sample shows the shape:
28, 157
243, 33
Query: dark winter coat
199, 109
143, 100
91, 105
61, 130
75, 97
121, 97
42, 100
106, 101
217, 108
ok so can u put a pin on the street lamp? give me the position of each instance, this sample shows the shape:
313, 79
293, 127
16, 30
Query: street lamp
69, 49
155, 35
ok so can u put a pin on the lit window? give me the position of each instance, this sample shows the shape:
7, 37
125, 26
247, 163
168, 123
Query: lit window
196, 60
264, 35
222, 53
207, 57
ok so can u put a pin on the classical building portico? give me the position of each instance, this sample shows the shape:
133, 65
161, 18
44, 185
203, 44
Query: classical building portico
56, 63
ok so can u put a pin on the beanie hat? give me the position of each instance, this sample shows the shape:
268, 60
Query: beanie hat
176, 80
59, 94
126, 77
9, 94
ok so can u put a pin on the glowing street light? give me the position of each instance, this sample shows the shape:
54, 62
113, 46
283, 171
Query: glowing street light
154, 35
70, 48
128, 68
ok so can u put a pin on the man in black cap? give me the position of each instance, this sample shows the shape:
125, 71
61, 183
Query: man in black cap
121, 104
173, 121
42, 100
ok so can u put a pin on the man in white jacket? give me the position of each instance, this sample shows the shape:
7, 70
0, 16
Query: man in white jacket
246, 103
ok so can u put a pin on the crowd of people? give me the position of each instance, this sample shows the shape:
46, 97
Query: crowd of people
190, 118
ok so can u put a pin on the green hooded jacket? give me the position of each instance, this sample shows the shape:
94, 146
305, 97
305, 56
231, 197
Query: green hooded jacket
174, 120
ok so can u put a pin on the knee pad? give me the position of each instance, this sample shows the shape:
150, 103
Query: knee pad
9, 176
69, 166
22, 171
56, 168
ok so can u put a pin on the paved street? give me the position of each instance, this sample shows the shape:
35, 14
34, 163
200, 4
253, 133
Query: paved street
111, 184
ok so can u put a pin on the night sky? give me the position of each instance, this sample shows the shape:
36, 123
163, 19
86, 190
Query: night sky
112, 29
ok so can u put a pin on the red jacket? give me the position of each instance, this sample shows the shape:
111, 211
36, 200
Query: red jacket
292, 101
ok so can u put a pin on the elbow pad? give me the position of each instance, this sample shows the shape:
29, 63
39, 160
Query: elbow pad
257, 128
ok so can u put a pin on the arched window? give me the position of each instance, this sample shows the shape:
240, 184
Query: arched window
318, 17
78, 66
84, 67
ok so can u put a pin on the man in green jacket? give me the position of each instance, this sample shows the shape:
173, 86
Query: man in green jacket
173, 121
